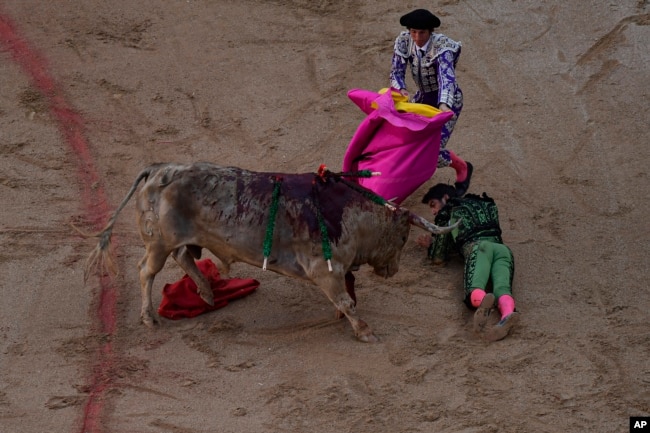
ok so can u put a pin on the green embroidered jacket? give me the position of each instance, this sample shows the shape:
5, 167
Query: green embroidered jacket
479, 220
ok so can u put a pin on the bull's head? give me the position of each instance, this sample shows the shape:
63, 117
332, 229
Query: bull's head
418, 221
393, 242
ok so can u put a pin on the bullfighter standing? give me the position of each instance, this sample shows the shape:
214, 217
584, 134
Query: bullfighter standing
433, 57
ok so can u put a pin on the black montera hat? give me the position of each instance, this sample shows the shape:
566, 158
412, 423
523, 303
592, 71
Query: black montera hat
420, 19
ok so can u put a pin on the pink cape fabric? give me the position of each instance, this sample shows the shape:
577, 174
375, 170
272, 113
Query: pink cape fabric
402, 146
180, 299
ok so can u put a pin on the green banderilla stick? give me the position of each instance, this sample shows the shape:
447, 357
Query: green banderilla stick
270, 225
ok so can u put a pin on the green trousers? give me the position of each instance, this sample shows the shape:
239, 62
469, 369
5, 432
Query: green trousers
486, 260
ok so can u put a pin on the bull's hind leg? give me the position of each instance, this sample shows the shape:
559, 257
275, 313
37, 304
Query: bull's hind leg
185, 259
334, 286
152, 262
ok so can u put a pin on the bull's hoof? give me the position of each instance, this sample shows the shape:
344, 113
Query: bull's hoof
368, 338
208, 297
149, 320
365, 334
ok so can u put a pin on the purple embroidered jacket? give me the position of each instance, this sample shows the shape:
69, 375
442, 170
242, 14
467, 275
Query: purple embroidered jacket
432, 73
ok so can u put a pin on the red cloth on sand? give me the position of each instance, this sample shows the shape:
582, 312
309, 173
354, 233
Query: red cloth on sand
181, 300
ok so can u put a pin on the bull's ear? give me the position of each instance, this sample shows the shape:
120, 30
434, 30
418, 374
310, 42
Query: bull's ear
418, 221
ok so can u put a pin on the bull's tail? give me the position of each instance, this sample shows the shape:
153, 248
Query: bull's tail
101, 261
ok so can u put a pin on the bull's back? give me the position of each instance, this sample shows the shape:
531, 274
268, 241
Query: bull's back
200, 202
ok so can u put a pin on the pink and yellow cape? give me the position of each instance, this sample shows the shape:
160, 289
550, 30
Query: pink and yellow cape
399, 139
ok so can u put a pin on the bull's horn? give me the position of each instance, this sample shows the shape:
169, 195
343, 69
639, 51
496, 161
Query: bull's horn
418, 221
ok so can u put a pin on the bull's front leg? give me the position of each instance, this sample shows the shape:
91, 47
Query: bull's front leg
334, 286
349, 287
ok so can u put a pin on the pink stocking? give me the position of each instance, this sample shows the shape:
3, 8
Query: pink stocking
459, 165
506, 305
476, 297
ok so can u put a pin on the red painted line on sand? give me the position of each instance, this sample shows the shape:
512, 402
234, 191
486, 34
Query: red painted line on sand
94, 201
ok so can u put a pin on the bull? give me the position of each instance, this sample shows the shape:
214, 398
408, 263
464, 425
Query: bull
317, 227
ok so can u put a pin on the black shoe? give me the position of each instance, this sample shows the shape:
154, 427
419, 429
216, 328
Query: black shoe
482, 314
462, 187
501, 329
